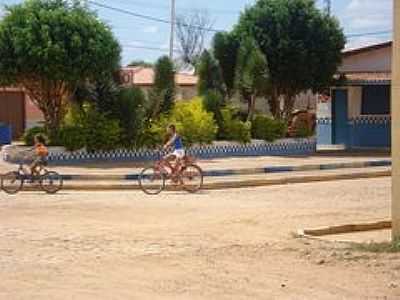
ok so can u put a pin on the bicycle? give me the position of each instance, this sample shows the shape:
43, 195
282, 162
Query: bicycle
49, 181
185, 172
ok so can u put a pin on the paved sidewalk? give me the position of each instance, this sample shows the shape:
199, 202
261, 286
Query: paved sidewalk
217, 164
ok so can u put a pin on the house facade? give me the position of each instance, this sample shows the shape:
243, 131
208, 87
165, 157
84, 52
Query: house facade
357, 113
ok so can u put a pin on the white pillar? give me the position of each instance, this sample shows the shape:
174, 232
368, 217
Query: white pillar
396, 123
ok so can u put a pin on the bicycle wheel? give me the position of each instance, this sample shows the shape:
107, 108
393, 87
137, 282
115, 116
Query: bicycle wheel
51, 182
152, 181
192, 178
12, 182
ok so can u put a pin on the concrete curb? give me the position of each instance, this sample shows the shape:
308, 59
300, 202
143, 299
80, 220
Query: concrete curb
347, 228
246, 171
234, 184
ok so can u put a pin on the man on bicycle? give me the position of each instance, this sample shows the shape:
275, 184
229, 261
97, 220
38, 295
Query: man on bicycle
174, 142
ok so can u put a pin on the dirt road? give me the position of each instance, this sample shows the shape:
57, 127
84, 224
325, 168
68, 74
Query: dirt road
235, 244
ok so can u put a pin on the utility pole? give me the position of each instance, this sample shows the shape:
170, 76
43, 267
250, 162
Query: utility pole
396, 123
172, 35
328, 6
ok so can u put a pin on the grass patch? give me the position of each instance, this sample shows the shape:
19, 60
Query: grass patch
393, 247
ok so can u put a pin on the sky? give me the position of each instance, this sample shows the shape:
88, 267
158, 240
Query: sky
355, 16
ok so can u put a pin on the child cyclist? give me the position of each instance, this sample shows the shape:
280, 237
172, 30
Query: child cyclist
174, 142
40, 155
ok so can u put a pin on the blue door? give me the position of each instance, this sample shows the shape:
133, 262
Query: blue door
340, 117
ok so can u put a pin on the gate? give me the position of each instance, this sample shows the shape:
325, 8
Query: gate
12, 111
340, 117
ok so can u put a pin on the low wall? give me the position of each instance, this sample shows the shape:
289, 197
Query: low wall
370, 132
286, 147
324, 131
363, 132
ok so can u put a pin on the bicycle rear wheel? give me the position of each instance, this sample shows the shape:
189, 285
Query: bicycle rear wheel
152, 181
192, 178
12, 182
51, 182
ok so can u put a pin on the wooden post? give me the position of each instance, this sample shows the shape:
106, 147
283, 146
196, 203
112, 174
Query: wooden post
396, 123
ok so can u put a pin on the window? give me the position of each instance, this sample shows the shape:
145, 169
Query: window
376, 100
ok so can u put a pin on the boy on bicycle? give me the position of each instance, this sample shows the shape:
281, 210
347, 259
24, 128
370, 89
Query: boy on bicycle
174, 142
40, 156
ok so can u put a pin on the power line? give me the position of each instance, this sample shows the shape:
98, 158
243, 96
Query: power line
146, 17
150, 5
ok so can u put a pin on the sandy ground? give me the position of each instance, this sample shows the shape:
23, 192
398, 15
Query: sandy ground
234, 244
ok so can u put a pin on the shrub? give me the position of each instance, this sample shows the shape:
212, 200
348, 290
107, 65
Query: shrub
303, 130
101, 133
213, 102
193, 123
233, 128
30, 134
131, 113
73, 137
267, 129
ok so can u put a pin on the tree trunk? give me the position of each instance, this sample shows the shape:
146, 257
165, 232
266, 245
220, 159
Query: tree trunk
54, 113
274, 104
251, 107
288, 107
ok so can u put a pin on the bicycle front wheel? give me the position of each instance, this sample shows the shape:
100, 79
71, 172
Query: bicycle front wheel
192, 178
51, 182
152, 181
12, 182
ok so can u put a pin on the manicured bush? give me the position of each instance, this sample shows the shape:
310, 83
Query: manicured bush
233, 128
130, 111
29, 134
73, 137
193, 123
267, 129
213, 102
303, 130
101, 132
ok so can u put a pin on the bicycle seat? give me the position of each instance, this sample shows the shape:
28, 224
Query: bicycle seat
189, 159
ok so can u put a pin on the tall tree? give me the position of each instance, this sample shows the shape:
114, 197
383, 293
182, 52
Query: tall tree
225, 50
210, 77
252, 76
49, 47
302, 44
191, 31
162, 95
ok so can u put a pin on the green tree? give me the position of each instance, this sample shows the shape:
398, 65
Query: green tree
225, 49
252, 77
49, 47
302, 44
129, 110
162, 95
210, 77
102, 94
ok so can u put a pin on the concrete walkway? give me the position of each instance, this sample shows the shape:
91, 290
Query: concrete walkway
219, 164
